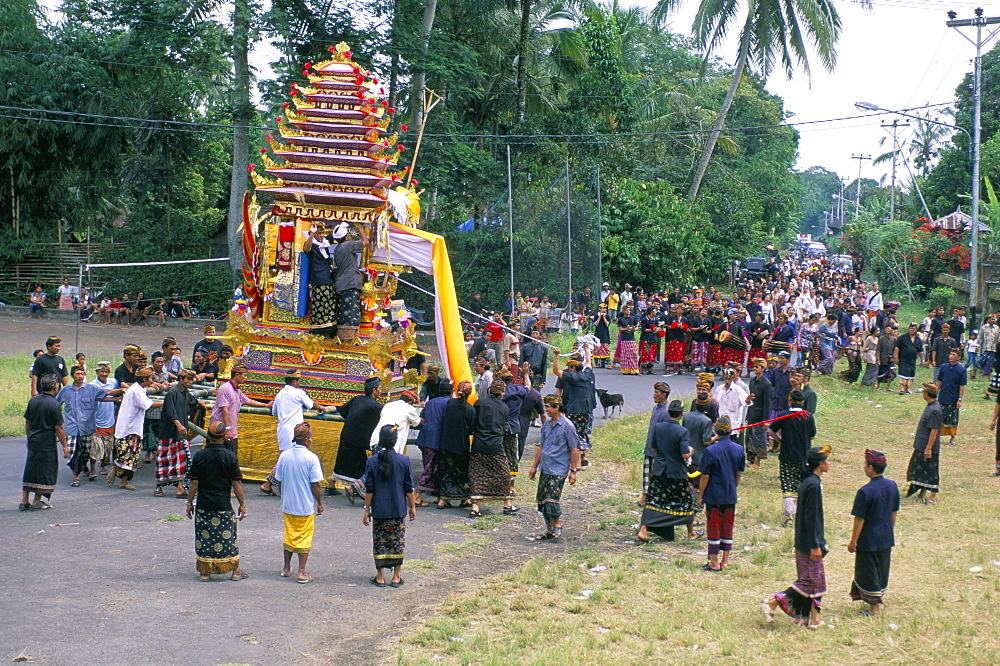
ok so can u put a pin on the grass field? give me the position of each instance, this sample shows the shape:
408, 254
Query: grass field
15, 389
612, 599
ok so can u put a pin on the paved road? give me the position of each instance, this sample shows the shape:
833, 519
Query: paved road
121, 585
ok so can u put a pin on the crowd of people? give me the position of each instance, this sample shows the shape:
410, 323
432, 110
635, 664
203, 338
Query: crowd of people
126, 310
753, 352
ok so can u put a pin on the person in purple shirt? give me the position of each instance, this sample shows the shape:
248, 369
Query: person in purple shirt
722, 467
872, 537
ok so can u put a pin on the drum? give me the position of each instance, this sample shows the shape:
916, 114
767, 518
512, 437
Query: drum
775, 346
734, 341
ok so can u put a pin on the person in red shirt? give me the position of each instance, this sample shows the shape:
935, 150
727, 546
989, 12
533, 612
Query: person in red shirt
496, 329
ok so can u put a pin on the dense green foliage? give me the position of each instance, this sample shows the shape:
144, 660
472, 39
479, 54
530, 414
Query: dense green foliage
602, 87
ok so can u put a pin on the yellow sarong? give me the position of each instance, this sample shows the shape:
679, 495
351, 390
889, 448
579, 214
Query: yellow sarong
298, 533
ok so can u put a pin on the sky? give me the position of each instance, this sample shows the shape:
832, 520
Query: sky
897, 55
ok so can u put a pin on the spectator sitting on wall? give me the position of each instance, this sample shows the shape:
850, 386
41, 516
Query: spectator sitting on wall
36, 301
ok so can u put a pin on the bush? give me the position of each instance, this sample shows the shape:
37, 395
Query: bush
943, 296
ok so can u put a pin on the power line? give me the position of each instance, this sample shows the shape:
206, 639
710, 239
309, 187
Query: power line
505, 137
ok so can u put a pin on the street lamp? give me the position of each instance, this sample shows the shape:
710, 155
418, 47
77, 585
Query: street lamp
974, 154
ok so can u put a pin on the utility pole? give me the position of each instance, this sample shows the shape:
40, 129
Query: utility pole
857, 198
895, 151
843, 186
978, 22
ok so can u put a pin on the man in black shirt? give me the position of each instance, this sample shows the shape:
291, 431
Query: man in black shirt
125, 373
49, 363
215, 472
802, 600
43, 424
212, 349
796, 431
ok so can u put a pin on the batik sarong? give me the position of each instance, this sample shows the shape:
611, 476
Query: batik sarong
151, 429
668, 503
949, 420
548, 496
601, 351
324, 307
298, 535
871, 575
756, 440
489, 477
216, 547
581, 422
923, 474
388, 542
428, 479
791, 475
349, 307
453, 476
172, 459
511, 451
127, 456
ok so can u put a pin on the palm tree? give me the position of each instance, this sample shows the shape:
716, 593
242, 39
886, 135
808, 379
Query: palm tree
773, 32
927, 139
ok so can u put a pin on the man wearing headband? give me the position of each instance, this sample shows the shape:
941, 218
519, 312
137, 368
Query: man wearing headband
732, 398
125, 373
875, 507
214, 473
558, 458
228, 402
579, 401
173, 455
361, 414
721, 470
668, 500
210, 348
129, 428
287, 407
323, 316
699, 427
102, 444
299, 472
661, 391
761, 390
951, 382
489, 468
802, 600
800, 378
924, 474
349, 280
795, 432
